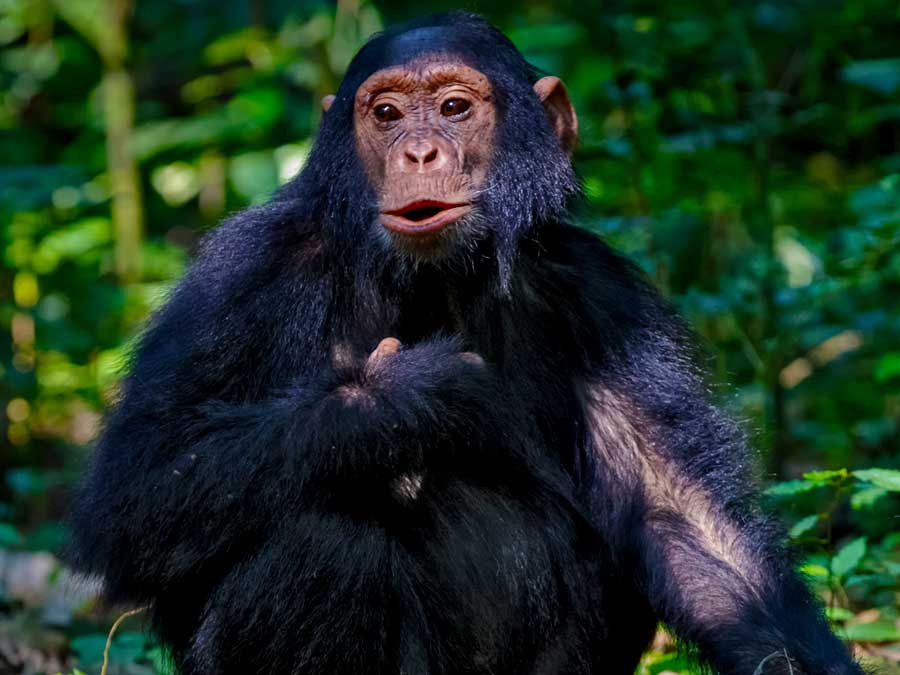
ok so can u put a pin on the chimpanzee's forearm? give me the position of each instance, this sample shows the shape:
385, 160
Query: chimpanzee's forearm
712, 565
738, 600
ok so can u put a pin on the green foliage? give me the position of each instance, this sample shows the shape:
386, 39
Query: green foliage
857, 571
745, 154
9, 536
848, 558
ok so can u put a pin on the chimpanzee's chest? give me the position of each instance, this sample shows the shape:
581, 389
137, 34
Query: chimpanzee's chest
471, 580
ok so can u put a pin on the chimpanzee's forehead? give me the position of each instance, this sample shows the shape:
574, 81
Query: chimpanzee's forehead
429, 72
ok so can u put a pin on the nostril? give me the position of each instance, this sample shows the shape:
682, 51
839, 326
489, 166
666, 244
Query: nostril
421, 154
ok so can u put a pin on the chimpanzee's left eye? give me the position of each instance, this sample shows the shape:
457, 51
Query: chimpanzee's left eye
454, 107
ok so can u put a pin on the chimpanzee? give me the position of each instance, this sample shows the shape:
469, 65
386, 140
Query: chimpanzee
405, 419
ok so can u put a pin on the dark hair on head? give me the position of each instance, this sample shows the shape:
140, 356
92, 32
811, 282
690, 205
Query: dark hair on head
464, 34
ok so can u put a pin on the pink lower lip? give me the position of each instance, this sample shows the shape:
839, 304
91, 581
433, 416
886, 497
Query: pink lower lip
397, 223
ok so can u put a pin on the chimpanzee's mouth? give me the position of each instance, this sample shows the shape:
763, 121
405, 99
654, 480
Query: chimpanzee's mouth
423, 216
418, 215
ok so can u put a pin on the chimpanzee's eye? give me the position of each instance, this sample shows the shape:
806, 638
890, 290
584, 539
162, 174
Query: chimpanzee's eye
386, 113
454, 107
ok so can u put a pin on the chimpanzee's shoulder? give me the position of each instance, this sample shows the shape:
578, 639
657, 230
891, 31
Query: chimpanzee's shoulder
590, 262
257, 244
608, 300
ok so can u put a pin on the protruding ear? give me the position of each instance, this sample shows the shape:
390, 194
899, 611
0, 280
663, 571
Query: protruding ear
326, 102
558, 107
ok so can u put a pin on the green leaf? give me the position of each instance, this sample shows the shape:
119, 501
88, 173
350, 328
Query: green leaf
89, 647
888, 479
880, 75
656, 663
254, 175
877, 631
127, 647
161, 660
848, 558
49, 536
866, 498
838, 614
825, 477
888, 367
73, 242
234, 46
9, 536
28, 481
804, 525
789, 488
814, 570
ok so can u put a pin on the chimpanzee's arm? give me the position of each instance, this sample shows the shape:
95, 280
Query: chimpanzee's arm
711, 563
176, 484
669, 479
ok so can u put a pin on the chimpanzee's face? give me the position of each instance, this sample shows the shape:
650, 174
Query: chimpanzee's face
425, 134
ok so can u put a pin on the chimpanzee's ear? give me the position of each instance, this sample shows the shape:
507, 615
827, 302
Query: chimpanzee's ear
563, 119
326, 102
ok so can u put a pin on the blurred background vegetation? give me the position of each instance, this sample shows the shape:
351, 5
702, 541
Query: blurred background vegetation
747, 154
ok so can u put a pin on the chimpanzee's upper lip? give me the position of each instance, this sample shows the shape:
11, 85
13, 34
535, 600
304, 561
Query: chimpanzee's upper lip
423, 216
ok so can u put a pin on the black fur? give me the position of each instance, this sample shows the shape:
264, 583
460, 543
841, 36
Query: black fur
284, 509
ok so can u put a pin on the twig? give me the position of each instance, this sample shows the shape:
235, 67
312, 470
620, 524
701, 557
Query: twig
112, 631
783, 652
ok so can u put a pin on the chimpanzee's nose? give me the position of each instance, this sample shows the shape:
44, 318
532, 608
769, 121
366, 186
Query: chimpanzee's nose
422, 155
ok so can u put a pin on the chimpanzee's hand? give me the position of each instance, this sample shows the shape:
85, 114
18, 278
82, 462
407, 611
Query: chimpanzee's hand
432, 380
435, 371
389, 346
385, 348
407, 406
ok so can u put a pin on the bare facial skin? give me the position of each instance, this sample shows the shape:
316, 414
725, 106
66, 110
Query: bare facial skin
425, 134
